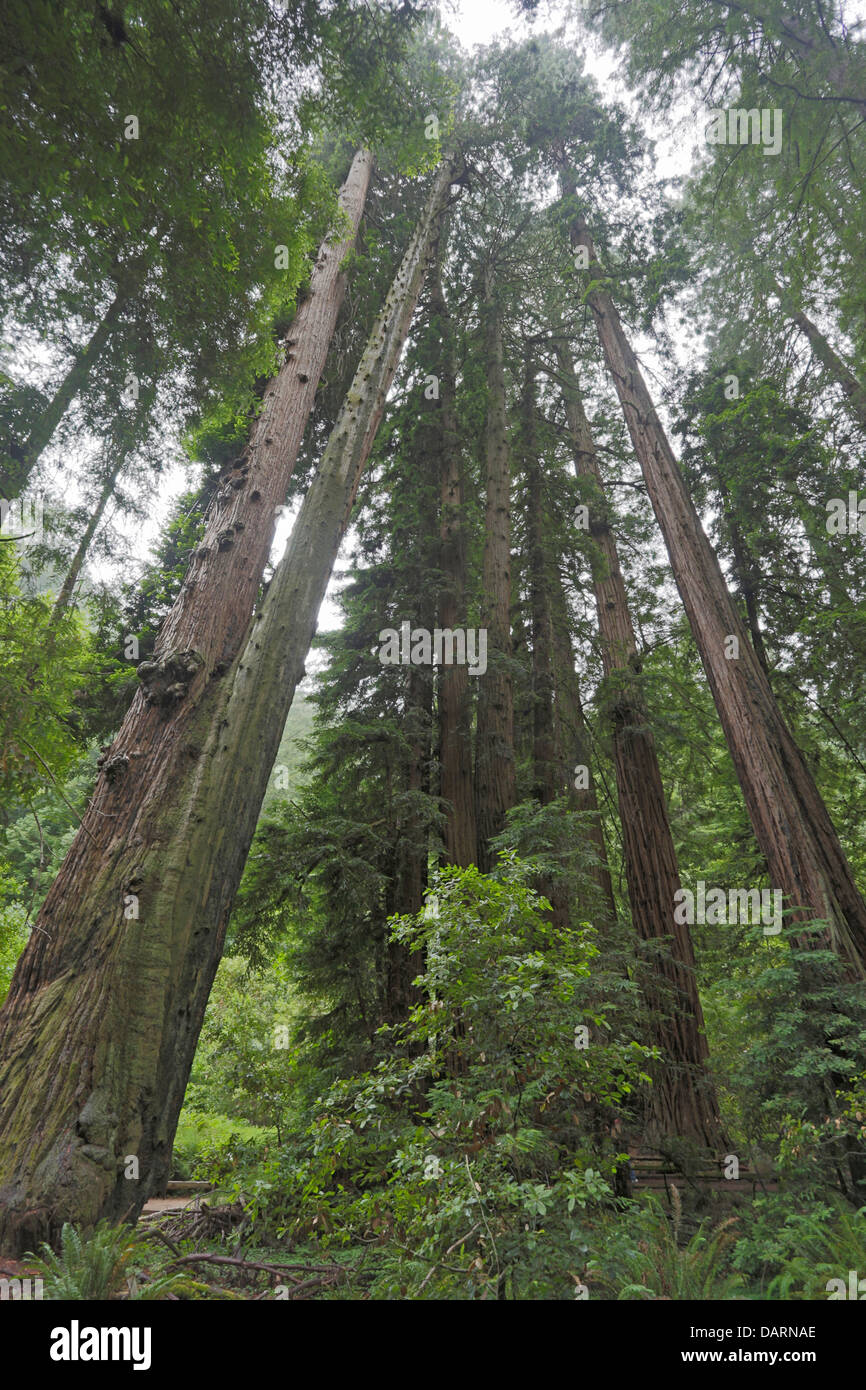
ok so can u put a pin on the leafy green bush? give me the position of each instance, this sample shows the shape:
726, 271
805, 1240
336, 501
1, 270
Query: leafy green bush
791, 1253
13, 939
476, 1153
244, 1064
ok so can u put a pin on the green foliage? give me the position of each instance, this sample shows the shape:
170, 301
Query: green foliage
214, 1148
791, 1253
646, 1258
801, 1031
178, 225
552, 840
13, 938
244, 1065
42, 666
475, 1150
106, 1263
40, 831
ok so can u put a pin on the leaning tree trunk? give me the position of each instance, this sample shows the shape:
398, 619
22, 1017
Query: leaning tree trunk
495, 780
454, 694
25, 456
100, 1024
273, 662
822, 349
791, 823
229, 564
67, 588
683, 1100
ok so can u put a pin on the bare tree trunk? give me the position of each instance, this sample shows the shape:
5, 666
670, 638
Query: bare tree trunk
573, 748
454, 694
495, 782
100, 1025
26, 455
683, 1100
852, 389
798, 839
64, 597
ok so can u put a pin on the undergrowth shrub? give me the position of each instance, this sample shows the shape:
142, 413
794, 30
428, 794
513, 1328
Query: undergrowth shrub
474, 1156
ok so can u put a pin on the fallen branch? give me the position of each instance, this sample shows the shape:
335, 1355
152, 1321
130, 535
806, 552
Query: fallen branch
309, 1285
238, 1263
166, 1240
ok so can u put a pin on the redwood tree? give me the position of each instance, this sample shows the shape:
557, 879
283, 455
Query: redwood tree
548, 772
791, 823
495, 781
683, 1100
454, 695
99, 1028
573, 746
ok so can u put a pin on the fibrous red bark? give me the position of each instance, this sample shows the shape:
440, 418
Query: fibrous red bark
100, 1024
683, 1100
804, 856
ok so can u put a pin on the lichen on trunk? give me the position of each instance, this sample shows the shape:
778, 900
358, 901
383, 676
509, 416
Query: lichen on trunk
100, 1024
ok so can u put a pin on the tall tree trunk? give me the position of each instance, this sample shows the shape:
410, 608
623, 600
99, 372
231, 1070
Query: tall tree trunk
573, 749
26, 455
793, 828
548, 781
747, 573
64, 597
683, 1100
454, 694
99, 1029
495, 781
212, 611
546, 772
852, 389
